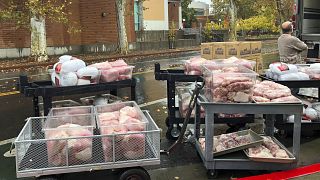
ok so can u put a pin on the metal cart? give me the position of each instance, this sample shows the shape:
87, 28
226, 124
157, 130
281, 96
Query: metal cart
286, 127
47, 91
174, 117
238, 160
32, 153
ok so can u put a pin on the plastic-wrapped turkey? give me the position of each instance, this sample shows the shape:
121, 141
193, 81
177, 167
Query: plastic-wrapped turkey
78, 149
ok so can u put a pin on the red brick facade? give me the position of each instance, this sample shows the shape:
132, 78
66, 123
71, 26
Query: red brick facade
173, 10
95, 28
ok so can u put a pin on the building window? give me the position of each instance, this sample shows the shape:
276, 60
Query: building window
137, 15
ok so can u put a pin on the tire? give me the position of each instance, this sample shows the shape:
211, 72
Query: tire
47, 178
170, 135
212, 174
134, 174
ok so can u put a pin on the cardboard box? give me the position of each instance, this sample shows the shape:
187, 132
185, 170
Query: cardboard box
219, 50
259, 61
232, 49
206, 51
256, 47
245, 49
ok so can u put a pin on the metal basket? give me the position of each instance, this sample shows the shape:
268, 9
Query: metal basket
70, 111
32, 150
59, 104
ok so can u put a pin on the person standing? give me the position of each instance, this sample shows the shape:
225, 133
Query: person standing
291, 49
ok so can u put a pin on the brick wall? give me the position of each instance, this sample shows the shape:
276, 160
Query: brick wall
57, 34
95, 28
129, 18
173, 10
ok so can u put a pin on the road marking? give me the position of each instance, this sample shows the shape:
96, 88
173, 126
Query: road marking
153, 102
9, 93
7, 141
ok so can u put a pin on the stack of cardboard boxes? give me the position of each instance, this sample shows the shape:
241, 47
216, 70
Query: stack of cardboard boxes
250, 50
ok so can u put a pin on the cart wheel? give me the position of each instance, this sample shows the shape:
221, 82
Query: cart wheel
173, 132
47, 178
212, 174
135, 174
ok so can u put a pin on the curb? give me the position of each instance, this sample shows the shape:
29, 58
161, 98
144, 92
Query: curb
111, 57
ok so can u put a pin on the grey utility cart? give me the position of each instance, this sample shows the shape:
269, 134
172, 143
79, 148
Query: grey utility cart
32, 152
238, 160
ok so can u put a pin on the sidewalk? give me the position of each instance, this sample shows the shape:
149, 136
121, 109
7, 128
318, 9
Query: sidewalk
132, 57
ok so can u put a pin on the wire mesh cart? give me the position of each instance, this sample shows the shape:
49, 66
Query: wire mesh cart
34, 153
47, 91
238, 160
286, 127
172, 76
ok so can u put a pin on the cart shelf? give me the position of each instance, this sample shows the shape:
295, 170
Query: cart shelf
240, 120
238, 160
287, 126
47, 91
177, 75
297, 84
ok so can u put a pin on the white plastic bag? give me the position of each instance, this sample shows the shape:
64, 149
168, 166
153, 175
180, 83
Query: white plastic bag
69, 79
64, 58
72, 66
283, 68
83, 82
315, 66
91, 72
303, 76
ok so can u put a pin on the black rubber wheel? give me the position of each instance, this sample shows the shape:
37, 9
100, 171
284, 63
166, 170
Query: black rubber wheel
170, 135
212, 174
134, 174
47, 178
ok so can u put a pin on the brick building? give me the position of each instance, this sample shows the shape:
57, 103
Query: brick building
159, 14
99, 30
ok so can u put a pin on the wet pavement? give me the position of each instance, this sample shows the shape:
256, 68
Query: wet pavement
184, 163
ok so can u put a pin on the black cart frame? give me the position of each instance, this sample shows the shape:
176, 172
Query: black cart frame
47, 91
287, 126
177, 75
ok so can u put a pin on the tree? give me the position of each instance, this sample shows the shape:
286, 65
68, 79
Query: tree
123, 39
227, 9
188, 13
32, 14
245, 8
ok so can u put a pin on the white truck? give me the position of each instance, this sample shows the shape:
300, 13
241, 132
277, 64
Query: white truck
307, 24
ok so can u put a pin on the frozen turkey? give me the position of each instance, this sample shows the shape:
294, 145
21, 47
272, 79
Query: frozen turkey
193, 66
268, 91
228, 82
77, 149
126, 124
269, 149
